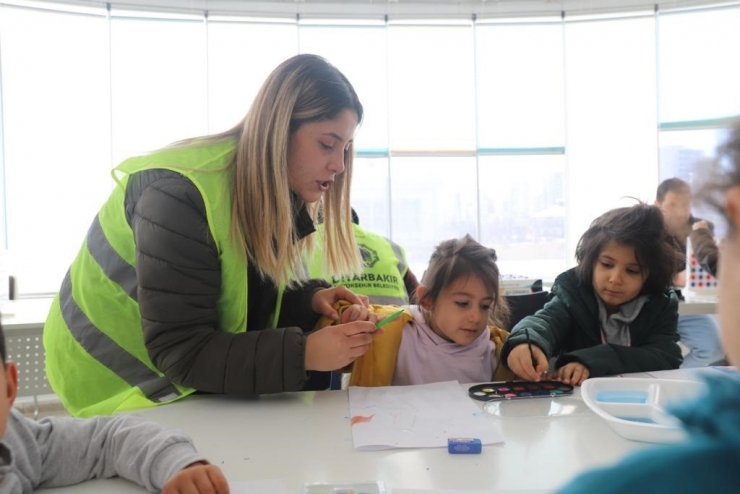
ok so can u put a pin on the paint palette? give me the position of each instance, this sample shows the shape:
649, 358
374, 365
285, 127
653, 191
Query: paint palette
636, 407
513, 390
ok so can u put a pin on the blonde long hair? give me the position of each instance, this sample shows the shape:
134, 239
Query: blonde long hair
305, 88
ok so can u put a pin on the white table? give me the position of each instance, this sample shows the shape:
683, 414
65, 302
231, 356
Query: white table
306, 437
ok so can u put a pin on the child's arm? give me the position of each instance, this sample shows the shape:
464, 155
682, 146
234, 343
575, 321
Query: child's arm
654, 345
66, 451
705, 248
547, 330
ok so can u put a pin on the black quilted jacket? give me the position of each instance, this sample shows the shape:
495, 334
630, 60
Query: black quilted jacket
179, 279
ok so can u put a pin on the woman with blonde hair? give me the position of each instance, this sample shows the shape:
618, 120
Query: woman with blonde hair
191, 277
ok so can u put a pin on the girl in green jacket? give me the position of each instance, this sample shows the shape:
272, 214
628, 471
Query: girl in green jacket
611, 314
709, 460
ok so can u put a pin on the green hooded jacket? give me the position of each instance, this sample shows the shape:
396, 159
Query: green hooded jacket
568, 328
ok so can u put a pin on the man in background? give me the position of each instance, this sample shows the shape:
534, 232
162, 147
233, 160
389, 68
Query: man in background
699, 333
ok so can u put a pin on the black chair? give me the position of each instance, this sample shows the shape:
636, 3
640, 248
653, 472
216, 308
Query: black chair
521, 306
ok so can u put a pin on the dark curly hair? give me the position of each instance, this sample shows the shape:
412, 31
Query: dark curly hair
641, 227
460, 258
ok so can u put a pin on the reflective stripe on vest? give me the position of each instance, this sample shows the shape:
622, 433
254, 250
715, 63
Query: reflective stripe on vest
98, 344
113, 265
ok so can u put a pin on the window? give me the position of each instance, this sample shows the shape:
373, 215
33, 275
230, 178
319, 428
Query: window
519, 132
370, 194
431, 88
612, 117
238, 64
520, 86
432, 199
689, 155
158, 83
523, 213
699, 75
56, 100
359, 52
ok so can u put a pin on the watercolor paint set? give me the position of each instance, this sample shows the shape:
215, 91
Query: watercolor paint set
513, 390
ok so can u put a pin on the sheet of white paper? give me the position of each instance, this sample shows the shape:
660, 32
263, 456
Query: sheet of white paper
422, 416
259, 487
454, 491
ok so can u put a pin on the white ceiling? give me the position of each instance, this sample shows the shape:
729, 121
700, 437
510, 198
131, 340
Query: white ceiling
400, 8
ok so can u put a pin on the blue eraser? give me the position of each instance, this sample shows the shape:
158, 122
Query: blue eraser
464, 446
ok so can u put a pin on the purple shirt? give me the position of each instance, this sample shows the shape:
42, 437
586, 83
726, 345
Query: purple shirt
425, 357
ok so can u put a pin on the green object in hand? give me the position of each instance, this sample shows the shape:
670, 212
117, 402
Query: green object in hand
388, 319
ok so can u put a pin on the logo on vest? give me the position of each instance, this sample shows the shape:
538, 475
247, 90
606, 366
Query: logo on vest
369, 256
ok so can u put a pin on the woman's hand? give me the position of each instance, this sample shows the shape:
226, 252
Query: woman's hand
357, 312
572, 373
323, 300
520, 362
198, 478
335, 347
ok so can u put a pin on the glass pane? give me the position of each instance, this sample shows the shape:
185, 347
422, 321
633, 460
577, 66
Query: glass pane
699, 74
360, 53
430, 203
431, 87
158, 81
611, 118
370, 194
689, 155
520, 86
235, 74
57, 138
522, 213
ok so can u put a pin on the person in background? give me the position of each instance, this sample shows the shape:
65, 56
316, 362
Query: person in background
60, 451
191, 277
709, 460
454, 331
699, 333
673, 197
614, 312
386, 278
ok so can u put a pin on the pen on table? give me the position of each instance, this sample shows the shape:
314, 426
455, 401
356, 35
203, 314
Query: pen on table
531, 353
388, 319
